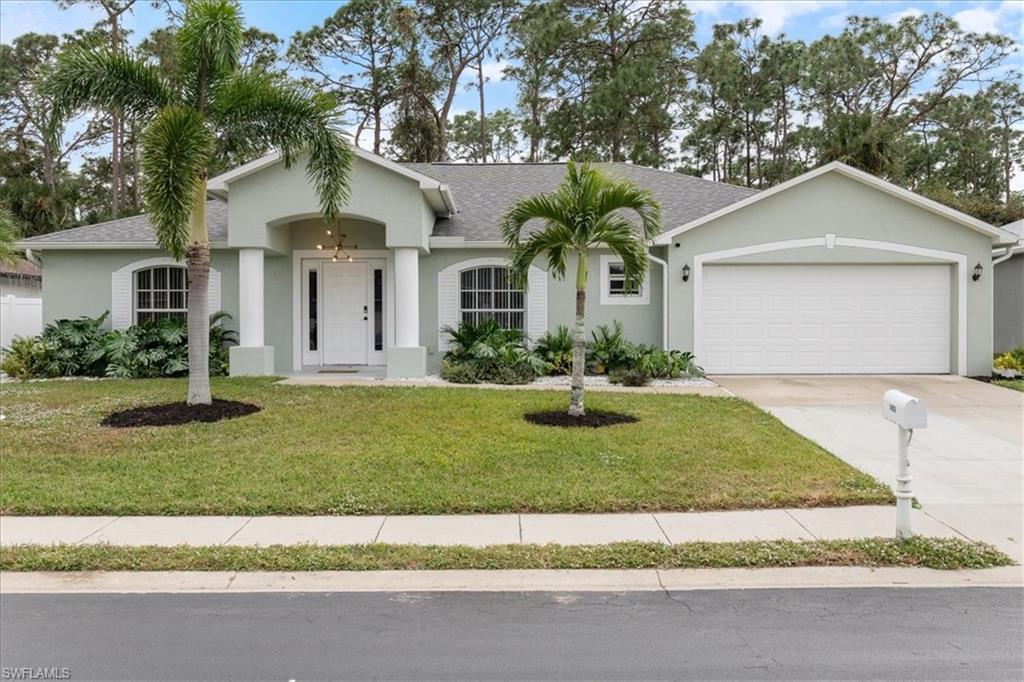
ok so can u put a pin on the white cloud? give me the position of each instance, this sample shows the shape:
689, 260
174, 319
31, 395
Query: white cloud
834, 21
709, 7
775, 13
492, 72
978, 19
904, 13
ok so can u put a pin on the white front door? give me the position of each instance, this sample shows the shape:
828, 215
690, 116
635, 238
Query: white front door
825, 319
346, 313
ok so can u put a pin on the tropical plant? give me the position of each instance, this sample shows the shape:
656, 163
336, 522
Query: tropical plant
487, 352
9, 234
207, 99
587, 212
1012, 359
81, 348
555, 348
608, 349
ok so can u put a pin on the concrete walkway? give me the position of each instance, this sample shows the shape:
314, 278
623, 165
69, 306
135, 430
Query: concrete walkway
472, 530
967, 465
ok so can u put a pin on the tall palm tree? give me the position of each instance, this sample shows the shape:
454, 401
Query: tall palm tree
588, 211
209, 99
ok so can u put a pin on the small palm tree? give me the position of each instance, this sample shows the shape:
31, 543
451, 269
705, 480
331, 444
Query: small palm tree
588, 211
208, 100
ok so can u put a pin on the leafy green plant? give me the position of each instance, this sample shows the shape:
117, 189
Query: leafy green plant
555, 348
492, 353
630, 376
663, 364
82, 348
608, 349
1011, 359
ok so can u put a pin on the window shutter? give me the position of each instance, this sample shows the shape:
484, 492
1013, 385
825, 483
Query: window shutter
536, 303
121, 299
447, 305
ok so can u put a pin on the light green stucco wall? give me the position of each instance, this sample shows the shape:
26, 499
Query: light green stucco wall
835, 204
642, 322
77, 283
276, 194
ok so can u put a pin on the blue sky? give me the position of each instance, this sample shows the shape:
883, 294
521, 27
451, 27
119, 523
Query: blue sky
804, 20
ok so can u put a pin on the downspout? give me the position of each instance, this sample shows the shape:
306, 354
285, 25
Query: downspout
664, 298
1010, 252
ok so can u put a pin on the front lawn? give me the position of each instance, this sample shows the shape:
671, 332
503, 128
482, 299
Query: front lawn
379, 450
1016, 384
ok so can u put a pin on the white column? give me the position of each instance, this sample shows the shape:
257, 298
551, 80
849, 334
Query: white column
250, 297
407, 297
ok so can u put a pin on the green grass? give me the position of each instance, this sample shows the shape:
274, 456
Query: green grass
380, 450
940, 553
1015, 384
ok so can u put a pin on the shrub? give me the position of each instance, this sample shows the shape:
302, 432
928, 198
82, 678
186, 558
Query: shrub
81, 348
493, 354
556, 350
1011, 359
664, 364
630, 376
608, 349
459, 372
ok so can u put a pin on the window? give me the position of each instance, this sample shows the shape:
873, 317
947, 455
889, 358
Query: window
615, 290
488, 293
160, 292
311, 306
378, 309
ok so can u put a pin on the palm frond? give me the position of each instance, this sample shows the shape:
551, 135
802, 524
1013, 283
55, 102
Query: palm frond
175, 150
622, 195
252, 106
619, 235
208, 42
545, 207
90, 75
552, 240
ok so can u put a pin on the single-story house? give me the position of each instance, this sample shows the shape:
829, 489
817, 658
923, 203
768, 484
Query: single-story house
834, 271
1008, 296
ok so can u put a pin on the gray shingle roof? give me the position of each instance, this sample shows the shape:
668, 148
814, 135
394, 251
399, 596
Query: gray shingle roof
133, 229
483, 192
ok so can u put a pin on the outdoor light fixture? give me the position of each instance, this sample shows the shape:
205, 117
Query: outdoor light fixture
977, 272
339, 246
686, 273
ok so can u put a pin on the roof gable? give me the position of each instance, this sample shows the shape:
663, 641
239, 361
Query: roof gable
998, 236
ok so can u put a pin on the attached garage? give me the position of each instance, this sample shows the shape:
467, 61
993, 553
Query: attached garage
826, 319
833, 272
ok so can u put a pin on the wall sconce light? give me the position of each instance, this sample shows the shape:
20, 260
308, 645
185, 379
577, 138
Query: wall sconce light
686, 273
977, 272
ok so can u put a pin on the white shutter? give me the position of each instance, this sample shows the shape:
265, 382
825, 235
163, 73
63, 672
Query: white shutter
121, 298
213, 291
447, 305
536, 303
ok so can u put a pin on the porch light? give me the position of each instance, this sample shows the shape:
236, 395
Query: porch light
339, 247
977, 272
686, 273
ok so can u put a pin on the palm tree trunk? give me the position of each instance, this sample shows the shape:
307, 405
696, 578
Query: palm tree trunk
198, 261
579, 339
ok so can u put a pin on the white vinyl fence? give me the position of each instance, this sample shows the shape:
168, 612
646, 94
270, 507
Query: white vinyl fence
19, 317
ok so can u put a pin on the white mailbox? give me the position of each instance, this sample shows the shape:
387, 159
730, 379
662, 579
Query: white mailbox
904, 410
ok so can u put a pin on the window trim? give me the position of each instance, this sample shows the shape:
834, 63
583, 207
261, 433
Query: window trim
608, 298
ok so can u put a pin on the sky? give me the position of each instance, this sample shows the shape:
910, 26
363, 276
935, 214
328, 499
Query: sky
804, 20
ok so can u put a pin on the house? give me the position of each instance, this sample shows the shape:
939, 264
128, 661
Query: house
1008, 296
834, 271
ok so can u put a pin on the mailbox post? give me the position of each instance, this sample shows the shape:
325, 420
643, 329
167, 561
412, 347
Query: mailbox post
908, 413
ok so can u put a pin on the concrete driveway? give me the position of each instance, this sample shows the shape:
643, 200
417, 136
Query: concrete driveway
968, 465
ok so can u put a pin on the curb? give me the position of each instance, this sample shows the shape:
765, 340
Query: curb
184, 582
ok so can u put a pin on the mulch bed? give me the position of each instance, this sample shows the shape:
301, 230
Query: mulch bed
592, 419
176, 414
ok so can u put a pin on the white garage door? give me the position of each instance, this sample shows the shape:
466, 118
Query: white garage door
818, 319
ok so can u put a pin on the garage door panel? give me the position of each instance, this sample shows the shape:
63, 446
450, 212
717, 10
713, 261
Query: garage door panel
825, 319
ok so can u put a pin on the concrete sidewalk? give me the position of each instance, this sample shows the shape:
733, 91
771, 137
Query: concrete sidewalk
473, 530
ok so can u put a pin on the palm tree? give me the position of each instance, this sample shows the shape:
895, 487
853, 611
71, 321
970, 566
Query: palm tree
207, 101
9, 234
588, 211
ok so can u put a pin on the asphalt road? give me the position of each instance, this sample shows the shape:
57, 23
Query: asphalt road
974, 633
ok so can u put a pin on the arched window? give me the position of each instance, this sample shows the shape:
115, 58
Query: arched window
488, 293
160, 292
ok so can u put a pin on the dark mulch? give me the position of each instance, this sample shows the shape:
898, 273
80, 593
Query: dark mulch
175, 414
592, 419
